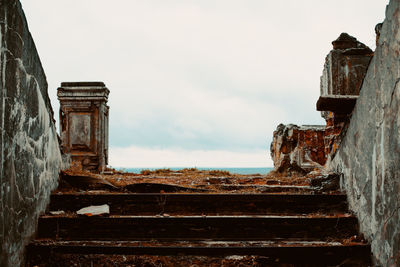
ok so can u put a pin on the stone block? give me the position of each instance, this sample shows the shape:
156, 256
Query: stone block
84, 123
298, 148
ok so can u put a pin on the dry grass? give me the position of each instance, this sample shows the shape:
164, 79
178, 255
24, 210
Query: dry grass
219, 173
192, 177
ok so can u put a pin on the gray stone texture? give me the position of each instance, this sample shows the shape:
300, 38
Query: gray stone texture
30, 154
369, 155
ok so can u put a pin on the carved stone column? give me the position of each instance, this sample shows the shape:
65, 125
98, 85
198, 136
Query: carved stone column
84, 124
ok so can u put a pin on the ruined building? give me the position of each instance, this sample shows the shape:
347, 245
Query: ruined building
305, 148
360, 101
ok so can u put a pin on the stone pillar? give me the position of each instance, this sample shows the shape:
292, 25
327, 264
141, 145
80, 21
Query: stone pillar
343, 74
84, 124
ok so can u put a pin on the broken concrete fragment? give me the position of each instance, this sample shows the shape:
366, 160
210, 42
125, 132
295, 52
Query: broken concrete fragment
327, 182
218, 180
298, 148
94, 210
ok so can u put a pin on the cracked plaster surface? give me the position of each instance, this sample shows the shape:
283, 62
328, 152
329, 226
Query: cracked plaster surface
30, 155
369, 156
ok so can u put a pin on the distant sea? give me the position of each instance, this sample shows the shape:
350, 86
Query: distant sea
263, 170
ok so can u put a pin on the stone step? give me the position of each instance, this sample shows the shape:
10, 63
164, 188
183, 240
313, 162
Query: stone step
262, 188
301, 252
202, 204
197, 227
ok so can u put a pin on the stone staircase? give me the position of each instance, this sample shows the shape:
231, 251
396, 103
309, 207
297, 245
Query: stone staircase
200, 229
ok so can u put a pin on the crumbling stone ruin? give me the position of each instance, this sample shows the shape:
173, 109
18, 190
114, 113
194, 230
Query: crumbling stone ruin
298, 149
305, 148
344, 71
360, 102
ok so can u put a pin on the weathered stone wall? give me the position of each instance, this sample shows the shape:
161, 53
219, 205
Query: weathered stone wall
298, 148
369, 155
29, 149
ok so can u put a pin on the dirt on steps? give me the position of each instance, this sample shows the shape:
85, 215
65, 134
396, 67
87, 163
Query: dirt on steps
198, 218
188, 180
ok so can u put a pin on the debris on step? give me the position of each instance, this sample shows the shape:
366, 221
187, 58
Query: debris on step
207, 203
297, 253
157, 188
57, 212
87, 182
200, 219
327, 182
94, 210
218, 180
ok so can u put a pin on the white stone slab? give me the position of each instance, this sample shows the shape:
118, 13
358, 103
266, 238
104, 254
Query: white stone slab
94, 210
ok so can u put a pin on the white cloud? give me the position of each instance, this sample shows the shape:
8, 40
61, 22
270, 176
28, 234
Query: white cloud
197, 74
131, 157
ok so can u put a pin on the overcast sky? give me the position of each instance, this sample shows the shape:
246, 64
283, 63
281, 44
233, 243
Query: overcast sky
197, 82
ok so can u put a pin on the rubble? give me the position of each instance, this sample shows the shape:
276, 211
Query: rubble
209, 229
304, 148
298, 149
158, 187
327, 182
94, 210
189, 181
57, 212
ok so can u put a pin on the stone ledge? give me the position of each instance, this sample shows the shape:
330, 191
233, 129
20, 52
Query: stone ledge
340, 104
82, 84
